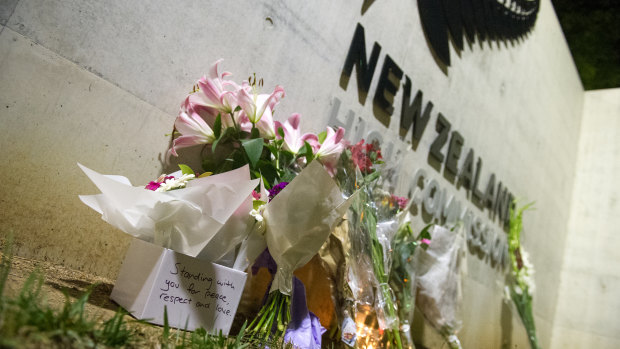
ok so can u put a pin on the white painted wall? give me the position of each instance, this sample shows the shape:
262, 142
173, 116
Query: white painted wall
588, 304
100, 83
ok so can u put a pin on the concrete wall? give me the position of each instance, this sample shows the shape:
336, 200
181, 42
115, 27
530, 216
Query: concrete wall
588, 304
100, 83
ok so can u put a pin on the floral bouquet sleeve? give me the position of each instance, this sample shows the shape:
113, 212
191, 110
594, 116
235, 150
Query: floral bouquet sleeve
179, 212
439, 281
374, 218
521, 280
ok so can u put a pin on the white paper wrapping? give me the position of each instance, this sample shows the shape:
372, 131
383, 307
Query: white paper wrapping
299, 220
208, 218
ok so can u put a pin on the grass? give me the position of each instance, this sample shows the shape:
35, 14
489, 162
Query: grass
27, 321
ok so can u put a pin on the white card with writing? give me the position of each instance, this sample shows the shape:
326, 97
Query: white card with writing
196, 293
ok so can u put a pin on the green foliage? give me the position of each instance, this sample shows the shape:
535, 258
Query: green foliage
217, 126
516, 225
253, 149
200, 339
26, 320
186, 169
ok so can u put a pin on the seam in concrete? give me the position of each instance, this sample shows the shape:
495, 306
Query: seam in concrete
9, 17
86, 69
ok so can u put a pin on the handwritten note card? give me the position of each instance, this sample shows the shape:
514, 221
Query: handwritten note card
195, 293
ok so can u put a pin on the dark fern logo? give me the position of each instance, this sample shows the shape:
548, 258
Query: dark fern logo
486, 19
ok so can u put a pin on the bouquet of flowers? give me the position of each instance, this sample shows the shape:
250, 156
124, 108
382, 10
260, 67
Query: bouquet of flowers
439, 282
374, 219
403, 275
521, 283
234, 124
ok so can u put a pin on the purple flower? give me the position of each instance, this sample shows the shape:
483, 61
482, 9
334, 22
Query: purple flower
276, 189
304, 330
425, 241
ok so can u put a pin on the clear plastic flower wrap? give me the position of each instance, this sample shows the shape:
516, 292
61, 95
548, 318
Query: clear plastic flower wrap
520, 284
403, 275
439, 281
373, 220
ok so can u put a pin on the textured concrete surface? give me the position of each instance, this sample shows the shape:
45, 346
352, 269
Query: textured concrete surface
59, 114
101, 82
588, 304
6, 10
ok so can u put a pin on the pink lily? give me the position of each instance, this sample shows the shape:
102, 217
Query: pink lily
329, 151
265, 125
216, 96
254, 105
293, 139
194, 130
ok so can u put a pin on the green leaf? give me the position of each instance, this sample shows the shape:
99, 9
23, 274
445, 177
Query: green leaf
186, 170
306, 151
281, 132
424, 234
322, 136
254, 149
286, 159
217, 126
268, 172
272, 148
222, 137
288, 175
255, 134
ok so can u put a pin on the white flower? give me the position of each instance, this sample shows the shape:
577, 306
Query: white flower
518, 290
175, 183
257, 215
260, 220
526, 274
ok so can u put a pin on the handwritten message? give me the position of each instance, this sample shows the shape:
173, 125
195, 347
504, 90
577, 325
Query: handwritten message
197, 288
195, 293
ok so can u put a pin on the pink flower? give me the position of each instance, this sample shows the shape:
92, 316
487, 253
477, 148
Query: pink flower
401, 201
425, 241
152, 186
265, 125
193, 129
255, 195
293, 139
255, 105
329, 151
215, 96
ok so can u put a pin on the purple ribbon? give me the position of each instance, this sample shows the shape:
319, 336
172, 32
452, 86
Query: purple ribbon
304, 330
